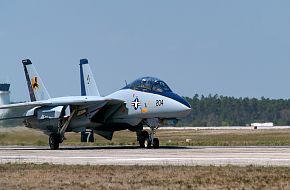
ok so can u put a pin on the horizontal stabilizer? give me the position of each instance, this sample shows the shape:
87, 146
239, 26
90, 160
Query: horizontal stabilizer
106, 134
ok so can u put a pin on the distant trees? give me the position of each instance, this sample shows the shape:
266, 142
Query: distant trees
215, 110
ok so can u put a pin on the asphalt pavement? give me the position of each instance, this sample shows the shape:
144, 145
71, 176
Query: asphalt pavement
128, 155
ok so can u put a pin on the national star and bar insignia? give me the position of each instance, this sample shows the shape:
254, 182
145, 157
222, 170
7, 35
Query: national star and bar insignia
136, 103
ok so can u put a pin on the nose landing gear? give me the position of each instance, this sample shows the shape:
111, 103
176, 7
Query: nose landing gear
155, 143
147, 139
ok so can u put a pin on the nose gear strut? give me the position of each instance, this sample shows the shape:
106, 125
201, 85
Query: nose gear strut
146, 139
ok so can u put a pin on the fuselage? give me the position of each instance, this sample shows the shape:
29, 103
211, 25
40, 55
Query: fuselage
140, 103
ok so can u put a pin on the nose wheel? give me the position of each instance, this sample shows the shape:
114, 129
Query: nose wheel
155, 143
147, 139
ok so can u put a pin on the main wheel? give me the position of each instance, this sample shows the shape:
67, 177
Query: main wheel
54, 140
143, 139
155, 143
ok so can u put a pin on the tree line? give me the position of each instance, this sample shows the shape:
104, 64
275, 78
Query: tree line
215, 110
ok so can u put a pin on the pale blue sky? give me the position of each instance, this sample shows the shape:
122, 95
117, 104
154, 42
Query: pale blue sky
233, 48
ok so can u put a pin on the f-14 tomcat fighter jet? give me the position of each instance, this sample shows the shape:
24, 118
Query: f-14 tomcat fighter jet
145, 102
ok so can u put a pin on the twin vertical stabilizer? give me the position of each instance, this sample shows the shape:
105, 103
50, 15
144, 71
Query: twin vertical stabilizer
88, 83
37, 90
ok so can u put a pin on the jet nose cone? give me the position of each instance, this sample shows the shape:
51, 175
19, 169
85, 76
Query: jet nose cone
185, 109
179, 107
185, 103
188, 109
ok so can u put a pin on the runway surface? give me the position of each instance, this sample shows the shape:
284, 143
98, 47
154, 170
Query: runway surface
122, 155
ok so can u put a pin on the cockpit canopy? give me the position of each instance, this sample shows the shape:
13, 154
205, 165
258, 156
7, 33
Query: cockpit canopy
149, 84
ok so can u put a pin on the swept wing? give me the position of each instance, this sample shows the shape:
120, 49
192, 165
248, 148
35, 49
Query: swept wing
80, 101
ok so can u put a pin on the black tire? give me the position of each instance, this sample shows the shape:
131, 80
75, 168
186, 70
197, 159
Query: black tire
54, 140
142, 143
147, 143
144, 135
155, 143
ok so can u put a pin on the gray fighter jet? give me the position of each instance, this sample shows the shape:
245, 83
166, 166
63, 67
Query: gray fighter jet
147, 101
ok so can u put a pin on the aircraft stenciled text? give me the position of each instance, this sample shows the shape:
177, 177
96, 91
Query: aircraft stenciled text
159, 103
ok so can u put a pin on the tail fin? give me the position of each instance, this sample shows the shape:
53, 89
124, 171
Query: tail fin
37, 90
88, 83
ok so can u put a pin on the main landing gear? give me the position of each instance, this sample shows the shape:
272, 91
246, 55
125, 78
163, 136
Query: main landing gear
147, 139
54, 141
56, 138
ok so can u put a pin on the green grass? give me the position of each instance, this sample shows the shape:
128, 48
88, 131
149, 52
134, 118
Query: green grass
237, 138
23, 136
